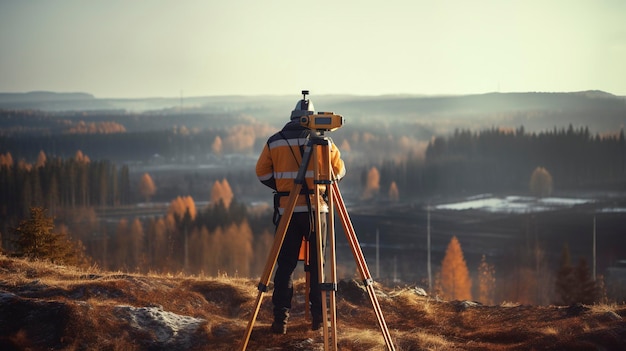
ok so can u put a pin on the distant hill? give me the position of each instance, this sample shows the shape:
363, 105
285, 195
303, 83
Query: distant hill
44, 306
533, 110
52, 101
40, 96
480, 104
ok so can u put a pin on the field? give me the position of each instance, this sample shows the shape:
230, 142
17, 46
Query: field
44, 307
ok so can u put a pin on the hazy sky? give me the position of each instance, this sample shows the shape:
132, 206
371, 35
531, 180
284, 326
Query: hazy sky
139, 48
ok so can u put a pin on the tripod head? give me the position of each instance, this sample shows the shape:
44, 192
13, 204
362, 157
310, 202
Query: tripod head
320, 122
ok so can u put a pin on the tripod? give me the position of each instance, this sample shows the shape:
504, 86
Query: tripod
325, 189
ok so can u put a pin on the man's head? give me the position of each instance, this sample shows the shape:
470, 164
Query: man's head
304, 107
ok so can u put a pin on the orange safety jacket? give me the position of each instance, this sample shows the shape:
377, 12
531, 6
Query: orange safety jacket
279, 162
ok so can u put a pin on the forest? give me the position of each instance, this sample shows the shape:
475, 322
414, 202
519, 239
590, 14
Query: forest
129, 188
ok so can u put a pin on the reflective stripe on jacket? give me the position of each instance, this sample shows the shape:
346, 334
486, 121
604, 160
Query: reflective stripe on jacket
279, 162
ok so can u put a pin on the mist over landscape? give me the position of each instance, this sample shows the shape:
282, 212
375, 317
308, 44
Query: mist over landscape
483, 143
451, 166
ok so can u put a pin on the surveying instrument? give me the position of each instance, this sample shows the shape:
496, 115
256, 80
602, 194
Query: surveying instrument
325, 189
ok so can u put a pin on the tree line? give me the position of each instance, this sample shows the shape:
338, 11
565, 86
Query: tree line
220, 238
124, 138
181, 242
503, 160
572, 283
60, 183
214, 240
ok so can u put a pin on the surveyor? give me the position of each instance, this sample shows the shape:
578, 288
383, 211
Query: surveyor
277, 168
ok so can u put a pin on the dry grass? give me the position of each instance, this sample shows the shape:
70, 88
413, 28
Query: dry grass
44, 306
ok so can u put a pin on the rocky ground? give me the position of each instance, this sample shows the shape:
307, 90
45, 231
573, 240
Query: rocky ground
49, 307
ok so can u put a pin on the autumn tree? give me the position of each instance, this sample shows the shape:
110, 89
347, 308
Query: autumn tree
180, 205
221, 191
486, 282
146, 186
216, 193
216, 147
372, 183
103, 127
541, 182
178, 221
81, 158
394, 194
455, 280
41, 159
35, 238
227, 196
6, 160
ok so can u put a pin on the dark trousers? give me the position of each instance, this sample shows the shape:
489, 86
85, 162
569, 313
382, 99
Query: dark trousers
299, 227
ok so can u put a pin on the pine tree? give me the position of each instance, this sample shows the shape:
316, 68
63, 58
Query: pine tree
565, 280
455, 279
35, 238
586, 289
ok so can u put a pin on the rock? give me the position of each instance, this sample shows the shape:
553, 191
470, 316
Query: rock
577, 309
352, 290
420, 292
464, 305
170, 330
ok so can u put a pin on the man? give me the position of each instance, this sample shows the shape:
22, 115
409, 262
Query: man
277, 168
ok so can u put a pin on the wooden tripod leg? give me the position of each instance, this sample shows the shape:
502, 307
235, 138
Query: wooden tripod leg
327, 289
330, 225
281, 231
322, 180
361, 265
304, 251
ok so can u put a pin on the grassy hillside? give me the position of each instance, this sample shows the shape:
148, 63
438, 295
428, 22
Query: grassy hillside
44, 306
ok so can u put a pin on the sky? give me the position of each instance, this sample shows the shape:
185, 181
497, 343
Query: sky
151, 48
